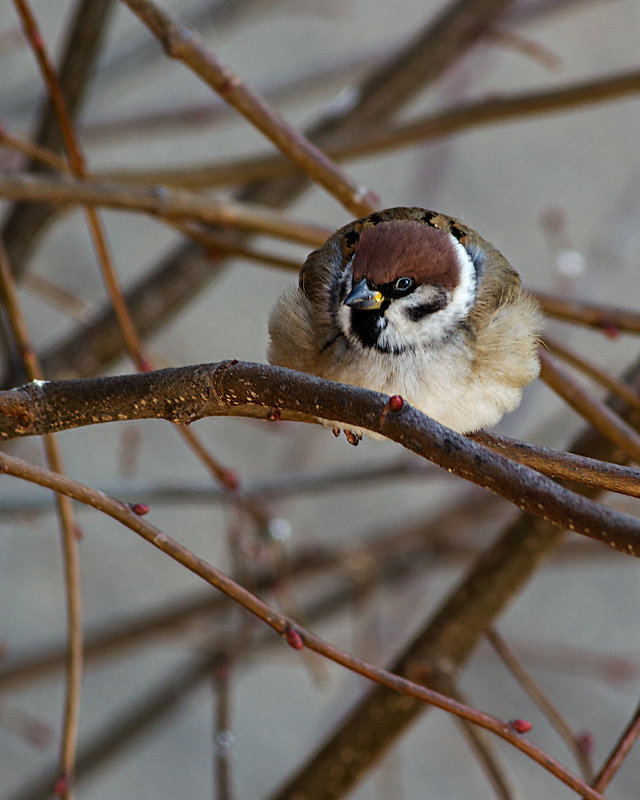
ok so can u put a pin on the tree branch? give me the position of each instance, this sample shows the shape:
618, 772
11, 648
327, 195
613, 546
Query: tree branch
185, 394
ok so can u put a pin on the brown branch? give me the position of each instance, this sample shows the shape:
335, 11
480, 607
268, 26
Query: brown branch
614, 761
566, 466
33, 151
611, 319
78, 168
598, 414
185, 394
184, 45
68, 531
610, 383
161, 202
295, 636
449, 638
26, 223
386, 137
522, 675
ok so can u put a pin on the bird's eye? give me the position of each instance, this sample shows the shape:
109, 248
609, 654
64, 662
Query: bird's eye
403, 284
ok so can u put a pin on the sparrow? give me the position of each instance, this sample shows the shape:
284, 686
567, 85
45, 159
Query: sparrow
412, 302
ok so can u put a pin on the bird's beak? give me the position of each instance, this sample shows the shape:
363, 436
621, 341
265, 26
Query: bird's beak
364, 298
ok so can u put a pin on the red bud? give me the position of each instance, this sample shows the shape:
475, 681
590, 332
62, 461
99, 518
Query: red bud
293, 638
520, 725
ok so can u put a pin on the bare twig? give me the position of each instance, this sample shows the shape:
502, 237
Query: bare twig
78, 168
69, 543
614, 761
162, 202
33, 151
611, 319
222, 735
385, 137
487, 756
295, 636
25, 223
522, 675
598, 414
185, 45
610, 383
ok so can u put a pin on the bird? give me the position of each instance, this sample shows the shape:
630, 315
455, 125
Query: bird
412, 302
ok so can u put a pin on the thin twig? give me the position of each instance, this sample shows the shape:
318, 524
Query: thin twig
296, 636
522, 675
222, 734
621, 750
386, 137
26, 223
33, 151
183, 44
598, 414
78, 168
611, 319
162, 202
610, 383
68, 530
482, 747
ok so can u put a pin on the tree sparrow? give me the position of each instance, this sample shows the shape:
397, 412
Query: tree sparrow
411, 302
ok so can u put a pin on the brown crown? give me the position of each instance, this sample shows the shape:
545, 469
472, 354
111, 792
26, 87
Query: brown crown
401, 248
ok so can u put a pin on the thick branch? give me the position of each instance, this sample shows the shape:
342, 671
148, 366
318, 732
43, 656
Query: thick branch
186, 394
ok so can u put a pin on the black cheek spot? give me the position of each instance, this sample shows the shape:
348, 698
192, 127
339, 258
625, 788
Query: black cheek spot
416, 313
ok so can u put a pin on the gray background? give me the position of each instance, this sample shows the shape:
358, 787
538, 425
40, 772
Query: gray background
501, 180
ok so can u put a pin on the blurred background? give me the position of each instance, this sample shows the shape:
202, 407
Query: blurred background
557, 193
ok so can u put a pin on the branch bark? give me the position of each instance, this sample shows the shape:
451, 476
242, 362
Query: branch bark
186, 394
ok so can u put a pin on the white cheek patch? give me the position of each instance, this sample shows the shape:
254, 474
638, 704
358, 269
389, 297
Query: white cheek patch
432, 328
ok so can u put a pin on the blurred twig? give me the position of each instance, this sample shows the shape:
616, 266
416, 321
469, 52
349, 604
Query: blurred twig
184, 45
614, 761
611, 319
390, 136
598, 414
522, 675
25, 223
68, 529
295, 636
160, 201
